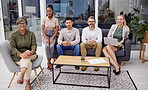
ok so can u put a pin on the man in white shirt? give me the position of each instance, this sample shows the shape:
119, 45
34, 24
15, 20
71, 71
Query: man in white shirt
91, 39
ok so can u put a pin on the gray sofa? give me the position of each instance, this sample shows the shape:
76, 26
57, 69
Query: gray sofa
122, 55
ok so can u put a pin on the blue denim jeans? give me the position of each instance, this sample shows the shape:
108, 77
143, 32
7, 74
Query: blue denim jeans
76, 49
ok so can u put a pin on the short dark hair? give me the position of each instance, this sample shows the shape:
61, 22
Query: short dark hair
20, 19
68, 18
49, 6
92, 17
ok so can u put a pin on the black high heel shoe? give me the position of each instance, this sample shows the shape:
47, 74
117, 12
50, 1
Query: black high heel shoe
114, 71
117, 73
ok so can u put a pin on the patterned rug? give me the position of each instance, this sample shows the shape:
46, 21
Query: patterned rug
123, 81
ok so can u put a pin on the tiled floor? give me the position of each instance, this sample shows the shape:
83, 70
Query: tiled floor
137, 70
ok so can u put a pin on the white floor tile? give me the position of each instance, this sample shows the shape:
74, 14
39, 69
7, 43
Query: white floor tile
137, 70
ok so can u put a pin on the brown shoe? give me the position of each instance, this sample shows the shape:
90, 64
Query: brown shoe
77, 67
49, 66
20, 81
27, 87
83, 68
96, 68
58, 66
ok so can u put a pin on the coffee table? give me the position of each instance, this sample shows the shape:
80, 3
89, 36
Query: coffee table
76, 61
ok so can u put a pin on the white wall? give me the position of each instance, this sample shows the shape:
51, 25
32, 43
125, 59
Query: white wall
146, 51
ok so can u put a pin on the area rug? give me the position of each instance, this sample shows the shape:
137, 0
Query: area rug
123, 81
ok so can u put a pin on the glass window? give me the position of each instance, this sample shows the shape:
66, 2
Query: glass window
79, 10
31, 10
10, 15
105, 15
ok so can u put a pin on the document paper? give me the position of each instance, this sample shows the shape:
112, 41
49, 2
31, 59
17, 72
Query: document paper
96, 61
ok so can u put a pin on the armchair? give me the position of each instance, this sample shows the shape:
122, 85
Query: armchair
12, 67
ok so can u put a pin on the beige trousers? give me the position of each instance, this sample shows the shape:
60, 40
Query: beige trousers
97, 46
27, 64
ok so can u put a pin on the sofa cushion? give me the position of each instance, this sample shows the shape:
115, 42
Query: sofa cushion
120, 53
68, 52
105, 32
80, 32
91, 52
105, 25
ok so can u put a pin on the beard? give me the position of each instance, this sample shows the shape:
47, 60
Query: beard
92, 26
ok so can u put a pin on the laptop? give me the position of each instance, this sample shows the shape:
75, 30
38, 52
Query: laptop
110, 41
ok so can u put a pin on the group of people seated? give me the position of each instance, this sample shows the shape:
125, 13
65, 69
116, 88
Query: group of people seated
23, 42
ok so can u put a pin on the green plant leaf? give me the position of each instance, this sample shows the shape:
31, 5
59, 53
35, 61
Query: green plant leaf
139, 28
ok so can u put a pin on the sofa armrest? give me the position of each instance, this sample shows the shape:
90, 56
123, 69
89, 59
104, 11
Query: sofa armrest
127, 48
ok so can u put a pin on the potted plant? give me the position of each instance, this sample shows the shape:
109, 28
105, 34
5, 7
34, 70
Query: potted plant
130, 16
140, 29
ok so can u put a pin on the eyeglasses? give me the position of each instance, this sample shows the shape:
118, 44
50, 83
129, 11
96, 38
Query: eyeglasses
91, 21
22, 23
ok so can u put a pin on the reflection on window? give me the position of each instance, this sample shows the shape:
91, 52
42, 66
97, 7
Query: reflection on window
10, 15
31, 10
106, 16
80, 10
70, 3
13, 11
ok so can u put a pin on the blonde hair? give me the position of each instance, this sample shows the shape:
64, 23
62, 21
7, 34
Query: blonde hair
124, 23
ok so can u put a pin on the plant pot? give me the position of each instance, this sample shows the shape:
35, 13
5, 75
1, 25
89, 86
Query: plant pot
145, 40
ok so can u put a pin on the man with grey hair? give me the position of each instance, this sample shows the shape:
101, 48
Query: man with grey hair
91, 39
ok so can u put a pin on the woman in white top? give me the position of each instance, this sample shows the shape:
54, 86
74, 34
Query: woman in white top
119, 31
50, 28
